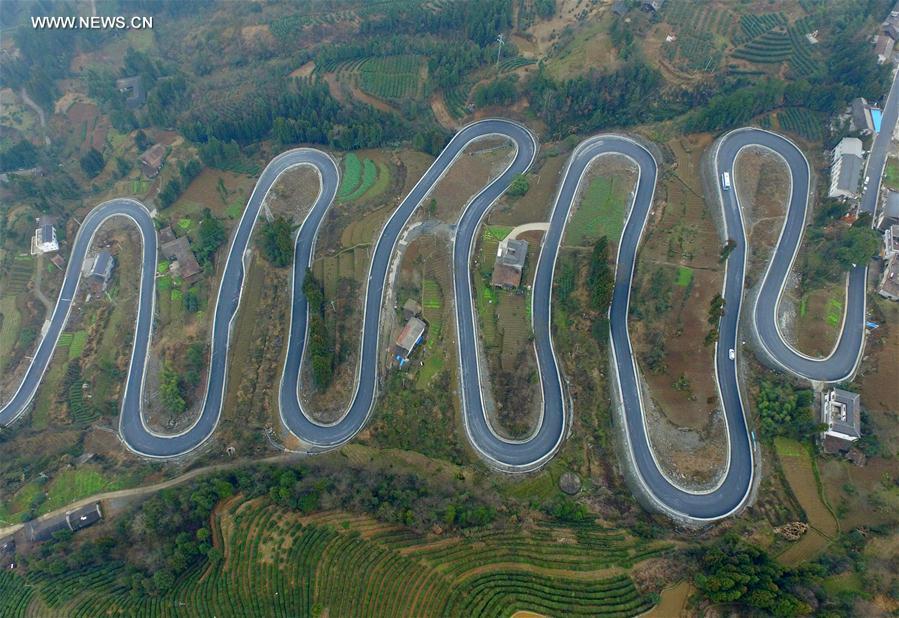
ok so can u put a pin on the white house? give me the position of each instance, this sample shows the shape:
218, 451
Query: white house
45, 240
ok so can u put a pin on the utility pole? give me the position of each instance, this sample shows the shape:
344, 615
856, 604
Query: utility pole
499, 49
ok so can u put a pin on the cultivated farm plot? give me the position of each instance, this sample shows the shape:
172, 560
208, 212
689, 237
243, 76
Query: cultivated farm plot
803, 122
19, 274
432, 307
279, 564
798, 468
391, 77
768, 39
457, 100
599, 213
512, 316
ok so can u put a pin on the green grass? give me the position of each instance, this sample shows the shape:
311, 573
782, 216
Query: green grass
369, 175
684, 276
9, 332
789, 448
280, 566
432, 309
834, 312
162, 267
891, 174
497, 232
381, 183
600, 213
72, 485
185, 224
234, 209
164, 284
843, 583
433, 365
391, 77
486, 306
352, 176
79, 340
139, 187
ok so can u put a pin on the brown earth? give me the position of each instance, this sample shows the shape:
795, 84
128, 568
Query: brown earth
681, 232
438, 107
350, 228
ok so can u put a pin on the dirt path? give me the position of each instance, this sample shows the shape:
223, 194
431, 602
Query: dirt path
37, 109
438, 106
123, 494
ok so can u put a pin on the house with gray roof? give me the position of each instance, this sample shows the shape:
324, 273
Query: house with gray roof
133, 90
509, 263
846, 168
100, 269
889, 212
45, 240
860, 113
841, 412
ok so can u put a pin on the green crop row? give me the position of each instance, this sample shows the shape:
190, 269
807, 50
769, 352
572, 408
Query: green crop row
274, 565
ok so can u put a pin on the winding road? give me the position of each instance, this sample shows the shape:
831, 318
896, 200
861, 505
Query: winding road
510, 455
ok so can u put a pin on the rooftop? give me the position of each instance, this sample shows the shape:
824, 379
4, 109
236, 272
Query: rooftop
179, 251
889, 285
410, 335
842, 413
84, 516
891, 205
102, 265
849, 146
152, 159
509, 263
133, 87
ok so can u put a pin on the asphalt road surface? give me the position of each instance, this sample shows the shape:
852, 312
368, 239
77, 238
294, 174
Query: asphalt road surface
842, 361
538, 448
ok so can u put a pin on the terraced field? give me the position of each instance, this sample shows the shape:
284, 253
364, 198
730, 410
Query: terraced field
277, 563
391, 77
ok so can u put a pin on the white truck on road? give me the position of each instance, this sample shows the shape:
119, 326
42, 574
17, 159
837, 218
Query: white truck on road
725, 181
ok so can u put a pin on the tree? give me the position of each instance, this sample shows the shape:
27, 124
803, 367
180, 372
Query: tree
600, 279
498, 92
170, 389
519, 186
92, 163
785, 411
141, 140
277, 241
319, 342
21, 155
735, 572
211, 234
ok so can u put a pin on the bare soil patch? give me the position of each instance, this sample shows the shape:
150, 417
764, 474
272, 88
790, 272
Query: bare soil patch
438, 107
677, 276
342, 261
